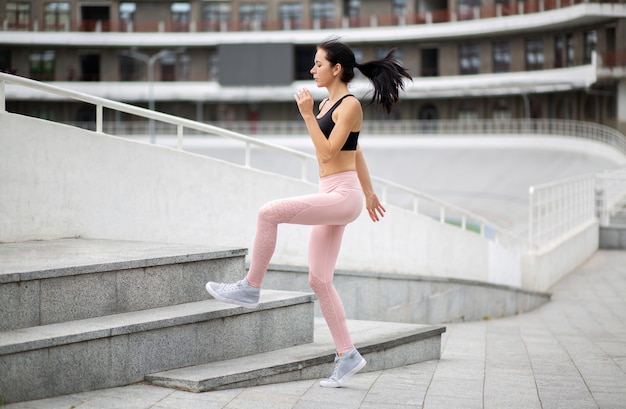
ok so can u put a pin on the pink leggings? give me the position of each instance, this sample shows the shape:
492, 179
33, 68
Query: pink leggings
339, 201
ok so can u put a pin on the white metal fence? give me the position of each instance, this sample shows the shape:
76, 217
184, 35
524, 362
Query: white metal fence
483, 127
560, 209
557, 209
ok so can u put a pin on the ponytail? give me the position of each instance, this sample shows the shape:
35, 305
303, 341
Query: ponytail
386, 75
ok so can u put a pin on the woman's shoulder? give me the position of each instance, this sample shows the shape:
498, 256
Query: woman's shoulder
350, 109
350, 102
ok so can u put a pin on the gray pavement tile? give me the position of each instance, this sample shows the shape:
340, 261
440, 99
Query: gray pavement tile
326, 405
514, 397
180, 403
348, 394
459, 401
377, 405
608, 400
257, 404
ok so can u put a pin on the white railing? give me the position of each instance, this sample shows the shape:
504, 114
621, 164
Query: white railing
556, 209
483, 127
560, 209
611, 196
446, 213
179, 125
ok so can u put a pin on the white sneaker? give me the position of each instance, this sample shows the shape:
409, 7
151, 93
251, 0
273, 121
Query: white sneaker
346, 365
239, 293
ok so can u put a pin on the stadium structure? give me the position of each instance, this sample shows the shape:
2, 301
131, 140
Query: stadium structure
239, 62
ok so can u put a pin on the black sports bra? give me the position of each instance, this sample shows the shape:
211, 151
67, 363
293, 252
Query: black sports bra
327, 124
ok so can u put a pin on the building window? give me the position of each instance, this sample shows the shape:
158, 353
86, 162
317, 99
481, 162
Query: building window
168, 67
131, 69
215, 16
290, 16
558, 52
180, 16
18, 15
501, 111
127, 15
569, 52
398, 7
534, 54
591, 43
590, 108
352, 9
469, 59
564, 110
56, 16
467, 114
430, 62
323, 13
252, 16
501, 57
465, 9
41, 65
5, 62
611, 107
214, 65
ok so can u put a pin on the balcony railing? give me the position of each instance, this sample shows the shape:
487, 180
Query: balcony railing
378, 20
413, 128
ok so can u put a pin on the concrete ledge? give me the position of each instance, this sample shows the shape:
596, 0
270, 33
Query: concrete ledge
384, 346
613, 238
46, 282
414, 299
64, 333
43, 259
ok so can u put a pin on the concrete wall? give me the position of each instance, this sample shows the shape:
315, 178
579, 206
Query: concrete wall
58, 181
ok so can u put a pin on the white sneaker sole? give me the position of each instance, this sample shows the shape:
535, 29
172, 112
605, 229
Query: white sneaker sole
221, 298
331, 384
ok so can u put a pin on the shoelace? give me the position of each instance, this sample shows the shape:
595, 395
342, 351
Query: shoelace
336, 370
231, 286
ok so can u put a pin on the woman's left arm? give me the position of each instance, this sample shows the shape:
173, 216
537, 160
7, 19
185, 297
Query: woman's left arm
375, 209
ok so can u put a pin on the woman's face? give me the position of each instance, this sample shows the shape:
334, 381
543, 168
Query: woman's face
322, 70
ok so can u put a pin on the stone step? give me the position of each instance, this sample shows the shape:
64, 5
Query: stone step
383, 344
120, 349
45, 282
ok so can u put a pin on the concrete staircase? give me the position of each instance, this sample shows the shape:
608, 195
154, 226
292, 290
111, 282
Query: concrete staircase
79, 314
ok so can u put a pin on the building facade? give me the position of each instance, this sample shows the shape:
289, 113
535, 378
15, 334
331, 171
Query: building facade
242, 60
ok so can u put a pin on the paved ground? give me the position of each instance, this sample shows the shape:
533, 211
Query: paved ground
569, 353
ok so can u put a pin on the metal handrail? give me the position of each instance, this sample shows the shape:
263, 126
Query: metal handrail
495, 231
559, 209
180, 123
610, 194
412, 128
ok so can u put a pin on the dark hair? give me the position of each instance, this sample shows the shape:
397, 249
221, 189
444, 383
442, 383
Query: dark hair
385, 73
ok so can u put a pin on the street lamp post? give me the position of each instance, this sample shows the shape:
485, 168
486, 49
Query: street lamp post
150, 60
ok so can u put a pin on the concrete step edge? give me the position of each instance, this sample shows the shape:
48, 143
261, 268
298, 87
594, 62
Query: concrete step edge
45, 336
373, 339
46, 259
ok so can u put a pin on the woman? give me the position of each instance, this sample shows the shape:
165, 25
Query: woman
344, 178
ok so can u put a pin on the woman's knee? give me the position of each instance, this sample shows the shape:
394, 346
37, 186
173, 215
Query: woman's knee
319, 286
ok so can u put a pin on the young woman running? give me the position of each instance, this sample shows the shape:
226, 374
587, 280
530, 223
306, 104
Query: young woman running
344, 179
